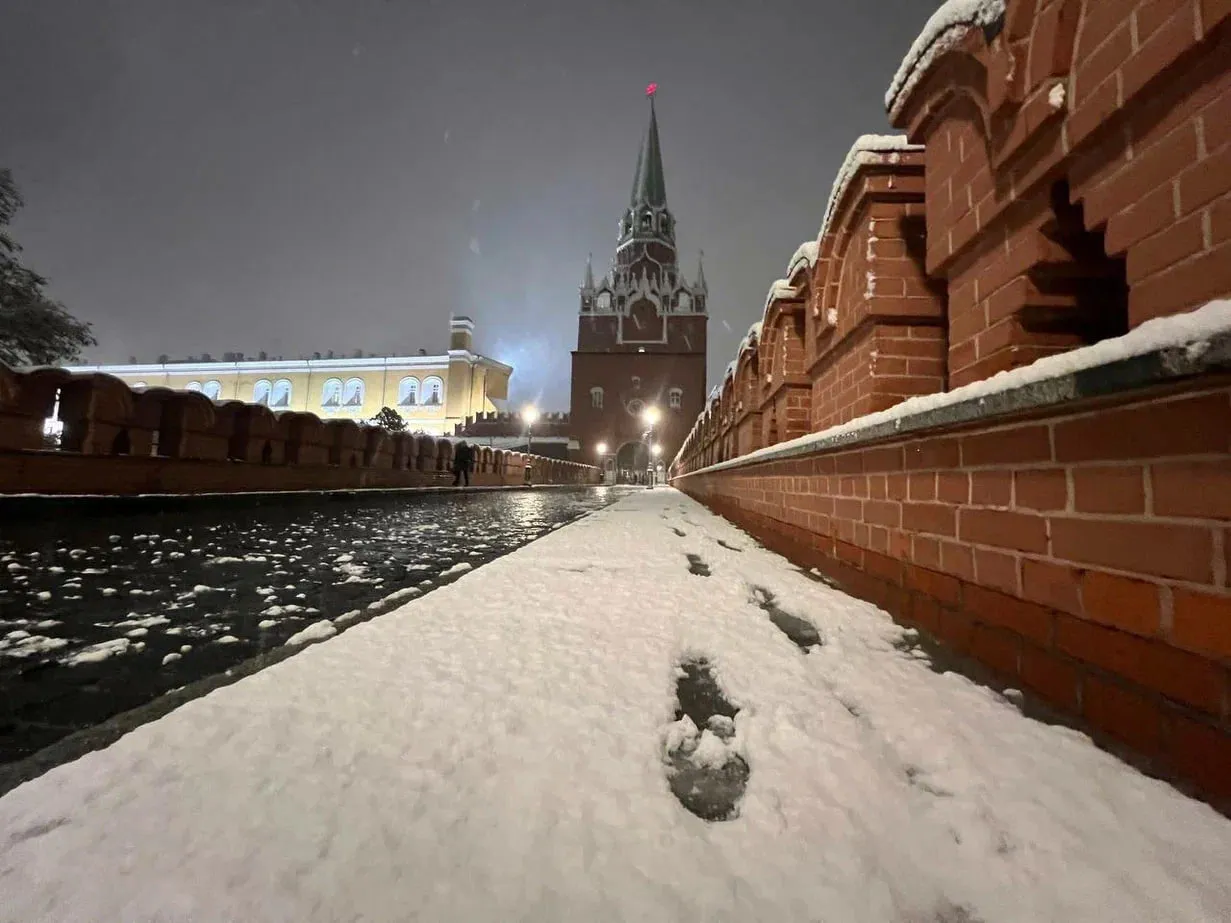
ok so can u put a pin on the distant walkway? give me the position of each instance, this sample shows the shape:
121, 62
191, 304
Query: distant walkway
511, 747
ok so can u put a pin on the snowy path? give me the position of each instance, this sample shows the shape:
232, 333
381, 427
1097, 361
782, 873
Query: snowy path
494, 751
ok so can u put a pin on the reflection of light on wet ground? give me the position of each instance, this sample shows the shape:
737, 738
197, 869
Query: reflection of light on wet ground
101, 612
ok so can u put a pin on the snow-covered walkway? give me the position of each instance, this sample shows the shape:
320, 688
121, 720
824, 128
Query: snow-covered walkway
494, 751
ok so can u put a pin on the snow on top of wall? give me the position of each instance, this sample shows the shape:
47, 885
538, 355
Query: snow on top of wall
807, 253
751, 337
730, 370
942, 32
1192, 330
866, 149
781, 288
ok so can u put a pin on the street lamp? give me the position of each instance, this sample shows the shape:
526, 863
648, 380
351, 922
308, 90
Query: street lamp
530, 416
601, 451
651, 416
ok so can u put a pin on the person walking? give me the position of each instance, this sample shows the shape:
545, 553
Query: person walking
463, 463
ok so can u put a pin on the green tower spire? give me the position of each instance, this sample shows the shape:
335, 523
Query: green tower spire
649, 186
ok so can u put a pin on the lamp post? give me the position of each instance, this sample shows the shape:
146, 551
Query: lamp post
651, 417
601, 451
530, 416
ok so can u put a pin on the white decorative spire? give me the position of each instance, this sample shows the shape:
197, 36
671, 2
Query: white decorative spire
587, 285
700, 284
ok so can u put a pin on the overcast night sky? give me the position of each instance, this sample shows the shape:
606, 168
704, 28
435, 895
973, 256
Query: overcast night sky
301, 175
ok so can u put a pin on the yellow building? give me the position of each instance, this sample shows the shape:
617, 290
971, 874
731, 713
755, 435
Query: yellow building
432, 393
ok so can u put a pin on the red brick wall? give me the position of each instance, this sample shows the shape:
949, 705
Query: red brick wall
1075, 182
122, 442
1083, 555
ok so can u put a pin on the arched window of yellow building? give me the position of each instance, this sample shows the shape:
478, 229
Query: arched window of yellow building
331, 394
212, 390
408, 392
260, 392
433, 391
352, 394
281, 399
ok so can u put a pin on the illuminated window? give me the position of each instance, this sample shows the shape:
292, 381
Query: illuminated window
635, 407
408, 392
636, 382
193, 386
261, 392
212, 390
596, 398
352, 394
433, 391
281, 399
674, 397
331, 393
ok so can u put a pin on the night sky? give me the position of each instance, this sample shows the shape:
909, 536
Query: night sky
302, 175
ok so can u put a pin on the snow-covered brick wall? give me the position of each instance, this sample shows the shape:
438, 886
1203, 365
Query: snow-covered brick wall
780, 289
805, 255
867, 149
750, 338
943, 31
1192, 330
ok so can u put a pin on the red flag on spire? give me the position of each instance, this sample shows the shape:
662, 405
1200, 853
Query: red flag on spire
651, 89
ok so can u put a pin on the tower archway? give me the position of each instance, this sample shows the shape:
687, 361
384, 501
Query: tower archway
631, 462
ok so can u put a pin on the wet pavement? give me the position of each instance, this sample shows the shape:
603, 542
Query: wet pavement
106, 608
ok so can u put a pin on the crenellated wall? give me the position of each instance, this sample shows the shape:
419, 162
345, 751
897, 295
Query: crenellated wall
1063, 179
120, 441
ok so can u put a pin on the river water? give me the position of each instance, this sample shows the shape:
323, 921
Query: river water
103, 609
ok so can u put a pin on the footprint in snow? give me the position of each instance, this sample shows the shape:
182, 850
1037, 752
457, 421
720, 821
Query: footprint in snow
705, 771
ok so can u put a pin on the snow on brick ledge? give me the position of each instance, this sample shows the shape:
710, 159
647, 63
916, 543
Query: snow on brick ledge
807, 255
1191, 333
943, 32
754, 332
866, 149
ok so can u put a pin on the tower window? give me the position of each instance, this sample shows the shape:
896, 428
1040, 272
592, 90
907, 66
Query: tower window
636, 382
596, 398
675, 397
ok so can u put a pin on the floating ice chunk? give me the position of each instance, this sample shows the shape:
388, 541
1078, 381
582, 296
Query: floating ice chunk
96, 653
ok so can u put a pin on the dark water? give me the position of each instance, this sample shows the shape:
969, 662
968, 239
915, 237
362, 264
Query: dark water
105, 610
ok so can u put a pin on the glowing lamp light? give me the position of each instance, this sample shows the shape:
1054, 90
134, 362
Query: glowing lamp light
601, 448
651, 415
651, 89
656, 450
530, 415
